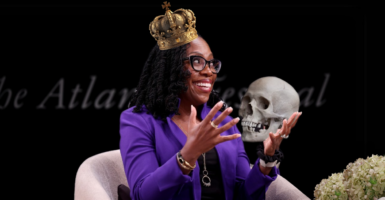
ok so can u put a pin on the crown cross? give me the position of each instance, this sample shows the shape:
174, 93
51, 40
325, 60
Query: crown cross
166, 5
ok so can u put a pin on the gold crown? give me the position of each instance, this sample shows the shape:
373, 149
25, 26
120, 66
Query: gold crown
174, 28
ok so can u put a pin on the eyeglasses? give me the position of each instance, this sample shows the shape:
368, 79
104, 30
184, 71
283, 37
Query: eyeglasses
198, 64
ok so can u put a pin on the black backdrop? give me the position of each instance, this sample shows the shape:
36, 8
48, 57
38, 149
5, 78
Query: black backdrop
98, 52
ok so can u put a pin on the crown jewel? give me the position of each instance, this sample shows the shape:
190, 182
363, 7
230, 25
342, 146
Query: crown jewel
174, 28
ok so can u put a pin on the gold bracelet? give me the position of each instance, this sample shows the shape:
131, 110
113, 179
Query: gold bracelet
183, 162
185, 167
188, 164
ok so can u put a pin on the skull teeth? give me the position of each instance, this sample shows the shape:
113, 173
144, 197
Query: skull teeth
255, 127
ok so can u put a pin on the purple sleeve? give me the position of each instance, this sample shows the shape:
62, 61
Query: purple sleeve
145, 177
251, 184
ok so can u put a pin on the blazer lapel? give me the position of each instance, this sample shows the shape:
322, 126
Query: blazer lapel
223, 161
197, 183
176, 132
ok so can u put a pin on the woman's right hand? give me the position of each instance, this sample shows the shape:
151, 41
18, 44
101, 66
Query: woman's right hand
202, 136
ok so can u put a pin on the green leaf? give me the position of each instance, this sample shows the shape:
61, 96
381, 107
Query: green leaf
372, 181
337, 193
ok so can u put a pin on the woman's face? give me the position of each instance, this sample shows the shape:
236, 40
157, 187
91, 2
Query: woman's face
200, 84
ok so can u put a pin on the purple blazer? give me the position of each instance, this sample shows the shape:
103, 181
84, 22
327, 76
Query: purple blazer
148, 147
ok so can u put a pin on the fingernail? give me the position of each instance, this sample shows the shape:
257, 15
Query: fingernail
230, 109
238, 135
237, 120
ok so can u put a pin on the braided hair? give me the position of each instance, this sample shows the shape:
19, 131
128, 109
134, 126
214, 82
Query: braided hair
163, 78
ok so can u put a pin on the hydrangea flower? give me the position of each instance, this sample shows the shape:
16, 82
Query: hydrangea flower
331, 188
363, 179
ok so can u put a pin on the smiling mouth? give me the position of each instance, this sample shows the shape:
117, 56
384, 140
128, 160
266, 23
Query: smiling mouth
204, 85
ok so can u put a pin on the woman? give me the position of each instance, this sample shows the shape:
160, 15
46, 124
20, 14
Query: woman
177, 122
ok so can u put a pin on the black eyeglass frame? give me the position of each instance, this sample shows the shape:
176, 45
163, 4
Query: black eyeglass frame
191, 58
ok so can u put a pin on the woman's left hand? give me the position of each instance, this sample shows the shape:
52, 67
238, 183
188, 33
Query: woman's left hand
272, 142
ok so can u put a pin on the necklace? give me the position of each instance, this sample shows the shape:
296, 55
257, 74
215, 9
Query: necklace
205, 173
206, 183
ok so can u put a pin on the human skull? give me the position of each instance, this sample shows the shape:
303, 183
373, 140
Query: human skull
267, 102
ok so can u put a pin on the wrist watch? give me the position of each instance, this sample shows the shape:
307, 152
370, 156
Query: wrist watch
183, 162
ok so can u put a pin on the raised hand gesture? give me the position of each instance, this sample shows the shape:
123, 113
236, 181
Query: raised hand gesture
203, 136
274, 140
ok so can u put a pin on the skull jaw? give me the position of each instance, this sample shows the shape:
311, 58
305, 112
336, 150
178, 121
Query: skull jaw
261, 136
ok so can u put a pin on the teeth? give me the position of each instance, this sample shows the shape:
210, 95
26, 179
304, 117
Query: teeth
252, 127
203, 84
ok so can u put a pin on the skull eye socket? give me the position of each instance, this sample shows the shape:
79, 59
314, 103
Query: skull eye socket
263, 103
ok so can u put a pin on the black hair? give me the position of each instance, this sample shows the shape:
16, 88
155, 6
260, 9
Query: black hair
163, 78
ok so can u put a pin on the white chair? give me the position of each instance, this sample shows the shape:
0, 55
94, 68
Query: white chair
99, 176
283, 189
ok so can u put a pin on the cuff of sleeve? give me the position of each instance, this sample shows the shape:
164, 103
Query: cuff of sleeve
256, 180
170, 175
